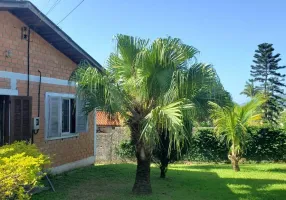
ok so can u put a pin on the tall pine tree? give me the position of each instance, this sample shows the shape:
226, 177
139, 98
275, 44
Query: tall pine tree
269, 80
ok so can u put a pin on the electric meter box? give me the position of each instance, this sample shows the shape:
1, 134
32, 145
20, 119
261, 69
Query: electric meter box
36, 124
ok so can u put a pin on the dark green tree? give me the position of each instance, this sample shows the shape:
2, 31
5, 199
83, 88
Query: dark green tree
265, 73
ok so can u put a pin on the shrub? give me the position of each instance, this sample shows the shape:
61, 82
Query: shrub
126, 150
262, 144
21, 167
266, 144
206, 147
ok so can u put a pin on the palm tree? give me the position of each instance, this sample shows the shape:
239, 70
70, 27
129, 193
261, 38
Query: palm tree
148, 85
204, 86
250, 90
231, 122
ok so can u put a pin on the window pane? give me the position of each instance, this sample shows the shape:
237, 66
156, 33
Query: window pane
72, 122
65, 115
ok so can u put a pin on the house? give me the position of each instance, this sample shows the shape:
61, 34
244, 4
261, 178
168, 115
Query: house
110, 134
37, 102
105, 123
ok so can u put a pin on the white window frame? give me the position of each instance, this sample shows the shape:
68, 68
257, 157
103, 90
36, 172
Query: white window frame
63, 134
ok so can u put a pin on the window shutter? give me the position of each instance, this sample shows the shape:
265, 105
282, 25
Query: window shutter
54, 121
81, 118
20, 118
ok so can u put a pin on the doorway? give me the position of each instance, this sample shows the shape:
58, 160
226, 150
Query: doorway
15, 119
4, 119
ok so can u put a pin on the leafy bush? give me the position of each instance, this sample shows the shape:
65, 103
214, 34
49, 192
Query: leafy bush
21, 167
126, 150
206, 147
266, 144
263, 144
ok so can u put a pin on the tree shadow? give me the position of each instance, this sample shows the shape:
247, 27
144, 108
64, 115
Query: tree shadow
277, 170
115, 182
240, 187
256, 188
204, 167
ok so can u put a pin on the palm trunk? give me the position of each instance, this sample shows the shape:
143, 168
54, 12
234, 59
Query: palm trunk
234, 162
164, 157
142, 185
235, 165
163, 168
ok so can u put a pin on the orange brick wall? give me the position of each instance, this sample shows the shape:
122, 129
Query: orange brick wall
51, 63
43, 56
5, 83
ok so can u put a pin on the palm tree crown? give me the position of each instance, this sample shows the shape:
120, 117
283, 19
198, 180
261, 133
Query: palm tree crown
250, 90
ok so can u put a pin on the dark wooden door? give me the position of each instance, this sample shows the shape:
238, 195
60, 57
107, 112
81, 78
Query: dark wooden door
2, 118
20, 118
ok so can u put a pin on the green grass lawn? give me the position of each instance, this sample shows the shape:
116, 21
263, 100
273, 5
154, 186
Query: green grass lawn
255, 181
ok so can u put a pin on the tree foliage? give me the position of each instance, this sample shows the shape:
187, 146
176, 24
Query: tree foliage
270, 81
249, 89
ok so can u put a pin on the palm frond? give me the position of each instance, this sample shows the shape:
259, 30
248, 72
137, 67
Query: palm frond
167, 119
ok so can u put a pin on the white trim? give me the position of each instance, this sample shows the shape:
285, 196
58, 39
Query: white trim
13, 83
8, 92
65, 136
24, 77
64, 95
73, 165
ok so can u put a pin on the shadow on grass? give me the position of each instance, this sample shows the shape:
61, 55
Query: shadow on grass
115, 182
203, 167
277, 170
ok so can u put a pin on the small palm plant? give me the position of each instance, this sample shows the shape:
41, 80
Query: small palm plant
231, 122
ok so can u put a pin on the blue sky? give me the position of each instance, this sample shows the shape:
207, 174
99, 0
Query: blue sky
226, 32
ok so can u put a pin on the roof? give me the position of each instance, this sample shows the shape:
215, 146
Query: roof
41, 24
102, 119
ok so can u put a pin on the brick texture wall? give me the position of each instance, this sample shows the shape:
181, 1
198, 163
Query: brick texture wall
5, 83
43, 56
52, 63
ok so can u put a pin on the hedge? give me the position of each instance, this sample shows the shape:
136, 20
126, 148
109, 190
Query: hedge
205, 147
266, 144
263, 144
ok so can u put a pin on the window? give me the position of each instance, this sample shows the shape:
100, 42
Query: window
64, 116
68, 115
